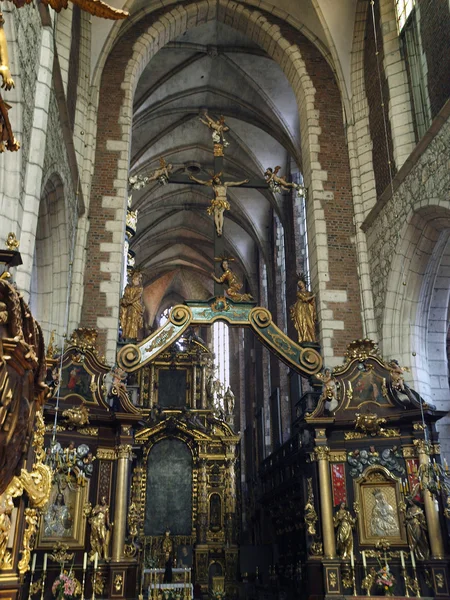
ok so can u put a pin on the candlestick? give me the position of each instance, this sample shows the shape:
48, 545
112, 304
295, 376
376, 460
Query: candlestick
95, 561
33, 564
363, 554
352, 559
44, 576
353, 577
406, 579
84, 575
402, 559
32, 576
413, 560
416, 582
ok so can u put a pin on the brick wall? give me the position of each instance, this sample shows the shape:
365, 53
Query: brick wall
372, 81
435, 34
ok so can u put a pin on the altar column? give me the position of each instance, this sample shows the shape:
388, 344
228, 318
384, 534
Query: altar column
121, 501
326, 509
431, 513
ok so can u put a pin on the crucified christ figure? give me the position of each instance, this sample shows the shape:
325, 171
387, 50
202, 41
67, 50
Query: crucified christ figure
219, 203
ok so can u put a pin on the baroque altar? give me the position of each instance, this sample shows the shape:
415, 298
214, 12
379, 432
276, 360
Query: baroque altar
362, 507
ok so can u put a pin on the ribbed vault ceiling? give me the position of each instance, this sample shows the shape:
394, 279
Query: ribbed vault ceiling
216, 68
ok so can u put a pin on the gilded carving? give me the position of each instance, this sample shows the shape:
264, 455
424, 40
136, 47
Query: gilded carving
369, 423
6, 508
118, 582
31, 523
303, 312
106, 454
77, 416
124, 451
131, 307
310, 512
100, 529
344, 524
322, 452
60, 554
230, 279
84, 338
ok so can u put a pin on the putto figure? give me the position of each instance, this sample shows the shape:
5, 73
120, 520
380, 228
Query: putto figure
137, 182
234, 284
219, 204
217, 127
277, 183
131, 309
303, 313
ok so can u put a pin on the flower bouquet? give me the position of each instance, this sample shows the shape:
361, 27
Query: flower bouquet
385, 580
64, 586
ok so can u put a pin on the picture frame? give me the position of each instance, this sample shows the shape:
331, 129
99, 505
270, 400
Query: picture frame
64, 519
378, 495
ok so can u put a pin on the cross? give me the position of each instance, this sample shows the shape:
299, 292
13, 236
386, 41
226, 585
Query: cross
219, 187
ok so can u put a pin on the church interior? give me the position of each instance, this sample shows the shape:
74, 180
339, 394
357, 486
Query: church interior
224, 299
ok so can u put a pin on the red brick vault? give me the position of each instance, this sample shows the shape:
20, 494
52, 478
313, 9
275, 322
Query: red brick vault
324, 152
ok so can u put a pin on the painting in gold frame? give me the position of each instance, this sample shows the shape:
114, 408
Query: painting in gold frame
64, 519
378, 494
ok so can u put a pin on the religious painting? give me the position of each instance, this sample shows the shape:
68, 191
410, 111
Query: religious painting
367, 386
169, 489
76, 381
184, 557
378, 495
64, 519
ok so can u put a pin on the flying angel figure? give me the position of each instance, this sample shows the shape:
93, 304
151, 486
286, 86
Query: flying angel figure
277, 183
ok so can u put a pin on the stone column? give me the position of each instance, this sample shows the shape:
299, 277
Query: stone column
326, 506
121, 501
431, 513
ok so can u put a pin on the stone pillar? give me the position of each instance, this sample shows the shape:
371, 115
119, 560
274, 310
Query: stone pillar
326, 505
121, 501
431, 513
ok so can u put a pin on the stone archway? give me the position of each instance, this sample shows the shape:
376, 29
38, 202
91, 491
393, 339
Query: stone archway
323, 139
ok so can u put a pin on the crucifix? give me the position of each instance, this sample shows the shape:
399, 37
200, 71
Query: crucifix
219, 204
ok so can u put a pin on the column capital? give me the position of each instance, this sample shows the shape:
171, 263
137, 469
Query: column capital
124, 451
322, 453
422, 446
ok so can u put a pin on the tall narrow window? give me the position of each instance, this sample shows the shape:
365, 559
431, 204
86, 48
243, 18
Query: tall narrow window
221, 348
407, 23
403, 9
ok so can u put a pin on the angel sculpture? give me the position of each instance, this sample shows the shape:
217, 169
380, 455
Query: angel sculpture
234, 284
219, 204
161, 175
329, 390
398, 381
218, 128
277, 183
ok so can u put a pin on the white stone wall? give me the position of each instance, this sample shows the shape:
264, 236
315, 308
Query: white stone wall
409, 258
